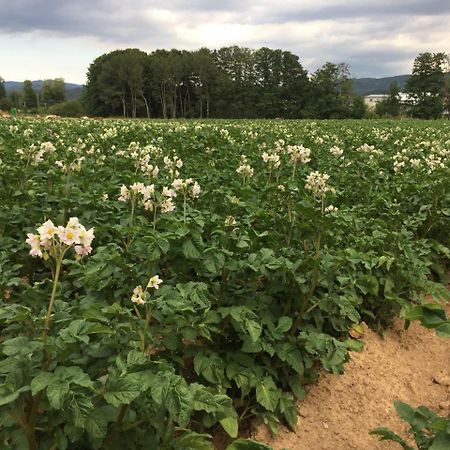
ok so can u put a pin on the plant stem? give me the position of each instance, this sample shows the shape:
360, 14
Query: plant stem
52, 297
154, 215
110, 439
310, 293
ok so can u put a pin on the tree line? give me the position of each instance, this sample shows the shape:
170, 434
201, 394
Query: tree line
232, 82
50, 93
427, 90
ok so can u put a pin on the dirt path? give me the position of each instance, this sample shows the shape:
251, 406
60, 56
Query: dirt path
340, 410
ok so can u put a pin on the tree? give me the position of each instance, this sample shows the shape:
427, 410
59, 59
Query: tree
332, 95
5, 103
390, 106
28, 95
426, 85
2, 88
53, 91
14, 97
446, 97
70, 108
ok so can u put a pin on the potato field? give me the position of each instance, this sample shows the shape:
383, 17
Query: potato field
163, 283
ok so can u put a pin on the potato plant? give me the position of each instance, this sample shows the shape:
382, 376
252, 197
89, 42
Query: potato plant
221, 266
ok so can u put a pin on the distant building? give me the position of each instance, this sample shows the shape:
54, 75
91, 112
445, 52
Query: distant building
405, 99
372, 100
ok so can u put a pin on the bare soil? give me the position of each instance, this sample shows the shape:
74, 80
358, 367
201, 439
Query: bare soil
339, 410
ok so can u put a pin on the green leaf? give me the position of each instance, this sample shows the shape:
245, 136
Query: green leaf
76, 331
8, 393
41, 381
121, 391
136, 358
254, 329
354, 345
284, 324
61, 439
209, 365
388, 435
231, 425
248, 444
179, 403
189, 250
267, 394
441, 441
97, 423
20, 345
193, 441
296, 386
56, 393
404, 411
73, 374
292, 355
80, 408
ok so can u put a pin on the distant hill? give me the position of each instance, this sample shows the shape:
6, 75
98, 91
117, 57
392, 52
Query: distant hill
73, 90
367, 86
362, 86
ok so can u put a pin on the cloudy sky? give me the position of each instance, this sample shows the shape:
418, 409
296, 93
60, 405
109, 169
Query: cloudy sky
60, 38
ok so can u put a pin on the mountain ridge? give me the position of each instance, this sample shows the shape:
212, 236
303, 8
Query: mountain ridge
362, 86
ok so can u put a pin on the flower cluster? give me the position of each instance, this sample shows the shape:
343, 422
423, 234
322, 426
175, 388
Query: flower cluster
272, 160
230, 221
434, 162
74, 166
109, 133
331, 209
34, 154
172, 165
140, 295
147, 168
52, 240
244, 168
147, 196
317, 183
336, 151
400, 159
134, 190
369, 150
183, 185
299, 153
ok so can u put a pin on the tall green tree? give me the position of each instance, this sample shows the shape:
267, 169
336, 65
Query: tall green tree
2, 88
15, 98
5, 102
391, 105
426, 85
28, 95
52, 92
332, 95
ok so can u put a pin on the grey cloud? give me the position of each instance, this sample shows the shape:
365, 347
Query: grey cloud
144, 24
108, 20
381, 10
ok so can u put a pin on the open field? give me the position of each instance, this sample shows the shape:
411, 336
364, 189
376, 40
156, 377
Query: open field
213, 269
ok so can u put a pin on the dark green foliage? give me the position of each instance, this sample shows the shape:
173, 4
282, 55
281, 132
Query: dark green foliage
52, 92
248, 311
430, 431
2, 88
426, 85
71, 108
390, 106
29, 99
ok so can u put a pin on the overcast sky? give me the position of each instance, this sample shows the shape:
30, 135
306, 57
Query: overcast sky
60, 38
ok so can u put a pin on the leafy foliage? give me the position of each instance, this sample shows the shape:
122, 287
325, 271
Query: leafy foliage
430, 431
262, 279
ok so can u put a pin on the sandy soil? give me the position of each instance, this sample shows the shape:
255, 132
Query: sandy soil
340, 410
